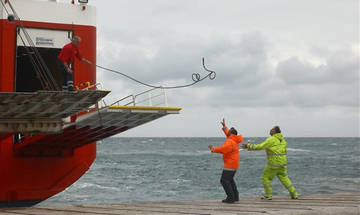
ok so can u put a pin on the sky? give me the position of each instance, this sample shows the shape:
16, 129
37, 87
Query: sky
289, 63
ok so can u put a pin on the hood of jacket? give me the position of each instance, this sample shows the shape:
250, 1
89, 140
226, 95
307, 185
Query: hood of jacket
279, 136
237, 138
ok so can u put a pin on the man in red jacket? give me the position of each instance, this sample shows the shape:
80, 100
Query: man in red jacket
66, 58
230, 151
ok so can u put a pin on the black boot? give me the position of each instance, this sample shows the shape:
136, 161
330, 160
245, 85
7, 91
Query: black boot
229, 201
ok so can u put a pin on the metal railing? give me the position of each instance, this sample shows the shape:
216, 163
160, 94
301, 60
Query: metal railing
154, 97
147, 98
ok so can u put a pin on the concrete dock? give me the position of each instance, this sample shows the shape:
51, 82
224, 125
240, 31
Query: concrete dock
339, 204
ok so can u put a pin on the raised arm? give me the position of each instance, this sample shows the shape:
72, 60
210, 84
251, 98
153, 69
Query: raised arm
224, 128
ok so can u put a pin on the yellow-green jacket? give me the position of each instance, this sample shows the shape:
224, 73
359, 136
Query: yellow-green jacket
276, 149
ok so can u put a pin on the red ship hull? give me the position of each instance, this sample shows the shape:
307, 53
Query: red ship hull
27, 180
48, 138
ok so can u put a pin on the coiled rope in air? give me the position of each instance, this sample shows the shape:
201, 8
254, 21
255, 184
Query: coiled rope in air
196, 77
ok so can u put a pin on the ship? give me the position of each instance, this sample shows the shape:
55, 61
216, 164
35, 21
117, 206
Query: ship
48, 136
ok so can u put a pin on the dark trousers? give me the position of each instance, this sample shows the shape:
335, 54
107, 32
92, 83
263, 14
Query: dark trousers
68, 82
228, 183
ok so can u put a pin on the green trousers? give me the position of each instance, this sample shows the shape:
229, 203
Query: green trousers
269, 174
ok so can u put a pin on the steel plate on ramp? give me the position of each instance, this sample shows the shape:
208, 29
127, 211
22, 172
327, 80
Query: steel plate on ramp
42, 111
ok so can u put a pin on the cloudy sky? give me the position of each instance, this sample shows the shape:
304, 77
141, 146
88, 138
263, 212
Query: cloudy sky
288, 63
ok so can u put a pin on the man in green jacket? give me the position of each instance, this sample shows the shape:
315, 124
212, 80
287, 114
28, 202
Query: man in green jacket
276, 148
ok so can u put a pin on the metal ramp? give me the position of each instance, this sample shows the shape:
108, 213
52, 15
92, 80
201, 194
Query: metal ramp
115, 118
43, 111
96, 125
92, 127
121, 116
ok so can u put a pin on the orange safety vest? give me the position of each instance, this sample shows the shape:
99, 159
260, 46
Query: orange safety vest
230, 150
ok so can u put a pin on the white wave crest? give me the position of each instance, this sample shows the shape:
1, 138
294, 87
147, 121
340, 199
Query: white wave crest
87, 185
298, 150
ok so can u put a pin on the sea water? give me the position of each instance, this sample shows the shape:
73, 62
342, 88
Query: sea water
156, 169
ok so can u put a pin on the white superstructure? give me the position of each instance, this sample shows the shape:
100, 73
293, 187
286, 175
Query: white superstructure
52, 11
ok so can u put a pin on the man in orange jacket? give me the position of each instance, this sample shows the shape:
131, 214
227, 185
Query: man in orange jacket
230, 151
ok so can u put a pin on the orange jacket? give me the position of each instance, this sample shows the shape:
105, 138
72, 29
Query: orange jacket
230, 150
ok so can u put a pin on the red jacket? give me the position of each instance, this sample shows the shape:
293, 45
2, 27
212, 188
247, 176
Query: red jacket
230, 150
68, 53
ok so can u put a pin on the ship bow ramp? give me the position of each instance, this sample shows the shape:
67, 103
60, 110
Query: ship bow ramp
50, 122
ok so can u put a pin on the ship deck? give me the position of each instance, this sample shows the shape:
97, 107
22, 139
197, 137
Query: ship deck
341, 203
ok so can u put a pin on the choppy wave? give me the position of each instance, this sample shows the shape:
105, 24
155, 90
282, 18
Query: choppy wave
164, 153
87, 185
298, 150
148, 169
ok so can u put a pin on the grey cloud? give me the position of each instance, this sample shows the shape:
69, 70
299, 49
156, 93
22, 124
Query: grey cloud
293, 71
342, 67
243, 62
245, 76
263, 53
154, 58
334, 83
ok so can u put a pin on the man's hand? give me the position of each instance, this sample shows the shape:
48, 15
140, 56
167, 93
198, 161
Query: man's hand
244, 146
87, 61
223, 123
67, 67
210, 147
